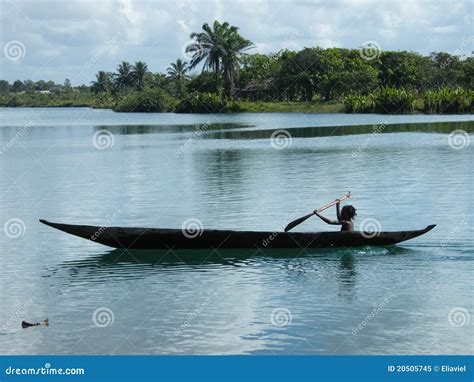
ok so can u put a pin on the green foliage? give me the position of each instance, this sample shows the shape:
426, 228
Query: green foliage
47, 100
103, 82
446, 70
359, 104
5, 87
139, 71
385, 100
160, 81
206, 103
446, 100
150, 100
177, 73
219, 48
259, 67
393, 100
203, 82
283, 107
311, 73
124, 78
106, 100
76, 99
403, 69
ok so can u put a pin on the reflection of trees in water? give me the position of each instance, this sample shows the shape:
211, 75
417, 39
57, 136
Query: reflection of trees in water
324, 131
182, 128
221, 172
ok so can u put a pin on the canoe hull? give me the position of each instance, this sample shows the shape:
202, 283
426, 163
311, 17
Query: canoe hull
152, 238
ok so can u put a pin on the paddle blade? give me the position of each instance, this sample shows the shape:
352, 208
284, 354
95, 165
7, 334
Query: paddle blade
294, 223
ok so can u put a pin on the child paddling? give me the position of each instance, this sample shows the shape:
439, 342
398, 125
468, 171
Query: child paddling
345, 217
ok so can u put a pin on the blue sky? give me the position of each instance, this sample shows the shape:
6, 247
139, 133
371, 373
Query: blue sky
55, 40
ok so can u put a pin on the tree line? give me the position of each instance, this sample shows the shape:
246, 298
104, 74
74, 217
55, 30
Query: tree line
30, 86
230, 73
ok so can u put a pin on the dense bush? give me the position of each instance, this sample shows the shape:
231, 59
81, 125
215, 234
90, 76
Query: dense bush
46, 100
393, 100
206, 103
359, 104
447, 100
106, 100
151, 100
204, 82
385, 100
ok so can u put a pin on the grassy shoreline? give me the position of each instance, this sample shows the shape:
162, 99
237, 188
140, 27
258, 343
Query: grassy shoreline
291, 107
88, 100
83, 100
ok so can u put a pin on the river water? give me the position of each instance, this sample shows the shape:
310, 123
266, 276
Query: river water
84, 166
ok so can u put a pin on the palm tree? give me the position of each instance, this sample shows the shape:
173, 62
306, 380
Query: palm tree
139, 70
234, 47
208, 47
124, 76
102, 82
177, 72
219, 47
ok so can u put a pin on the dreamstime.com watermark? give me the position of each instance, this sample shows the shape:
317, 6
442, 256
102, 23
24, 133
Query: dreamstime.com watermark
44, 370
452, 234
22, 131
191, 49
20, 311
14, 50
192, 316
192, 228
290, 41
109, 44
458, 52
280, 139
458, 317
14, 228
107, 224
369, 317
370, 50
281, 317
103, 317
267, 241
459, 139
378, 129
103, 139
200, 130
370, 228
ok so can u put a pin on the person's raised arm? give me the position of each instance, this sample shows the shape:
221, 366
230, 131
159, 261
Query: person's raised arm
325, 219
338, 211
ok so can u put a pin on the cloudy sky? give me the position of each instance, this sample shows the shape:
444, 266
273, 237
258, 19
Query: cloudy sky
54, 40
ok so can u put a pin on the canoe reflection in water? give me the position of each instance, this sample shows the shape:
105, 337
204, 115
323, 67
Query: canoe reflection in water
119, 264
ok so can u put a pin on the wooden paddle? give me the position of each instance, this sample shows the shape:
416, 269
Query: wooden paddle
296, 222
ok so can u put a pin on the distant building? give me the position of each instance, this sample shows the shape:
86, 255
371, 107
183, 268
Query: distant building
55, 89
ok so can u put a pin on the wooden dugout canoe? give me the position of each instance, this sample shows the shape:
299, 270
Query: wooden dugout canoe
156, 238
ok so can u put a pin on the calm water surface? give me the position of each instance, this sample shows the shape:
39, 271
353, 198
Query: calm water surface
163, 169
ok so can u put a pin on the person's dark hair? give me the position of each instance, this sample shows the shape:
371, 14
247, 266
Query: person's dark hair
348, 213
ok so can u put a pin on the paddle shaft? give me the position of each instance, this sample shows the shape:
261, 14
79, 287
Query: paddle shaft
344, 197
296, 222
